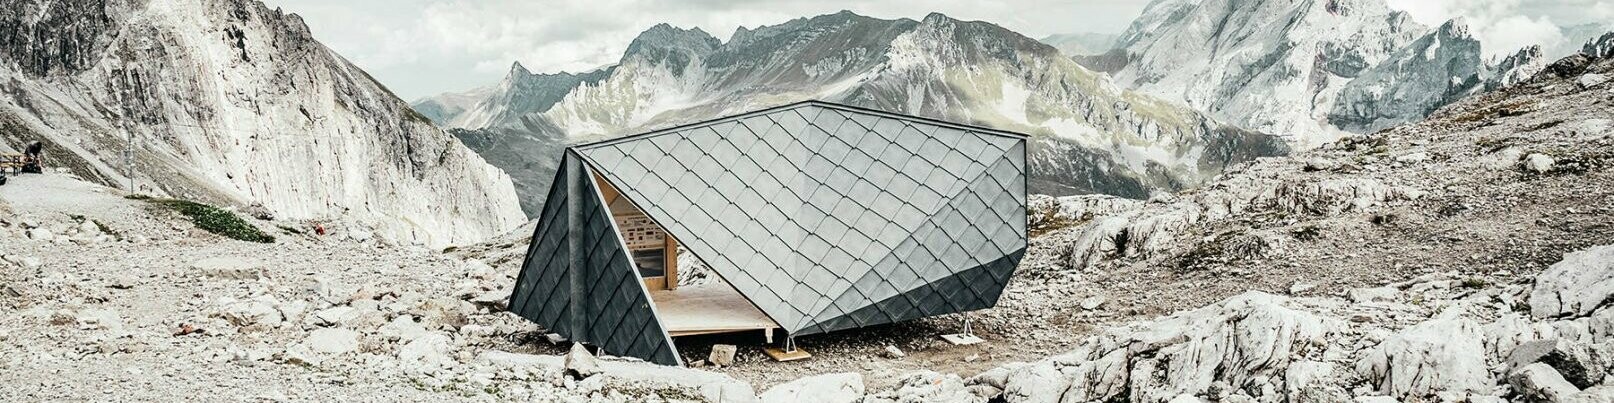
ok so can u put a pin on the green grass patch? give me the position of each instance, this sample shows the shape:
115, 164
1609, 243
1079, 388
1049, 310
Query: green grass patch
216, 220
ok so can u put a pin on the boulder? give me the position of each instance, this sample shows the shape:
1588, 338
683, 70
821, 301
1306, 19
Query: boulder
332, 341
429, 350
1582, 364
260, 310
1540, 383
827, 388
234, 268
1576, 286
1591, 80
1038, 383
1443, 354
931, 386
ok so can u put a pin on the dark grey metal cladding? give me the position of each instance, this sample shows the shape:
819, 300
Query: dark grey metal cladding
578, 280
817, 212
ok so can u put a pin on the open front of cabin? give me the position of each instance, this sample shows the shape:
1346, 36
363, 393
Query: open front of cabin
709, 308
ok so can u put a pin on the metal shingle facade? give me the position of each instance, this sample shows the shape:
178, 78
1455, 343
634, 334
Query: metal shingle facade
830, 217
578, 279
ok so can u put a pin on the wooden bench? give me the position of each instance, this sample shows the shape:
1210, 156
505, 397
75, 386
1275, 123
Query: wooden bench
11, 163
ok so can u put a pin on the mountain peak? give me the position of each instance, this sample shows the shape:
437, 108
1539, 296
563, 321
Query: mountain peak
663, 38
518, 71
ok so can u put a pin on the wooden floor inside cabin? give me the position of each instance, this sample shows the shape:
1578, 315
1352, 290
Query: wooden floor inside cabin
708, 309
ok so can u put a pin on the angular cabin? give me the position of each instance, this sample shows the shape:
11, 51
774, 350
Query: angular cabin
812, 217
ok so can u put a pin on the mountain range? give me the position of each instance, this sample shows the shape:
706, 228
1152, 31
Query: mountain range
1089, 136
231, 102
1309, 71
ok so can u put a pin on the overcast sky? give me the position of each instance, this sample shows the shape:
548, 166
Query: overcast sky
424, 47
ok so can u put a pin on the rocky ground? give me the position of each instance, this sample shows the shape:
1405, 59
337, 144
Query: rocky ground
1452, 260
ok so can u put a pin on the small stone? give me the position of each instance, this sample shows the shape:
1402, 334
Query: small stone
40, 234
554, 338
580, 363
1299, 288
1321, 164
1378, 294
1539, 163
1093, 302
1413, 158
722, 355
334, 316
893, 352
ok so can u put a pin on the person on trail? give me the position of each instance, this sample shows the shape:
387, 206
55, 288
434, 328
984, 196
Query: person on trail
31, 158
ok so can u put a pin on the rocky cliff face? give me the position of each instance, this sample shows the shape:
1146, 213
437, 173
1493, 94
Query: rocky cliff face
1088, 135
232, 102
1305, 70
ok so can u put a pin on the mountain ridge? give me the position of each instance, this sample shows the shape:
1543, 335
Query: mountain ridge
1090, 136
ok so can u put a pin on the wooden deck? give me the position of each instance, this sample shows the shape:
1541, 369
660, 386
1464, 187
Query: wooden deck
709, 309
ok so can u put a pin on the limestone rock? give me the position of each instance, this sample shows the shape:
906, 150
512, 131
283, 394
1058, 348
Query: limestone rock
930, 386
1539, 163
260, 310
1444, 354
1093, 302
893, 352
233, 268
1576, 286
722, 355
827, 388
1540, 383
580, 363
402, 328
1591, 80
1379, 294
332, 341
1035, 383
1582, 364
99, 319
431, 349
